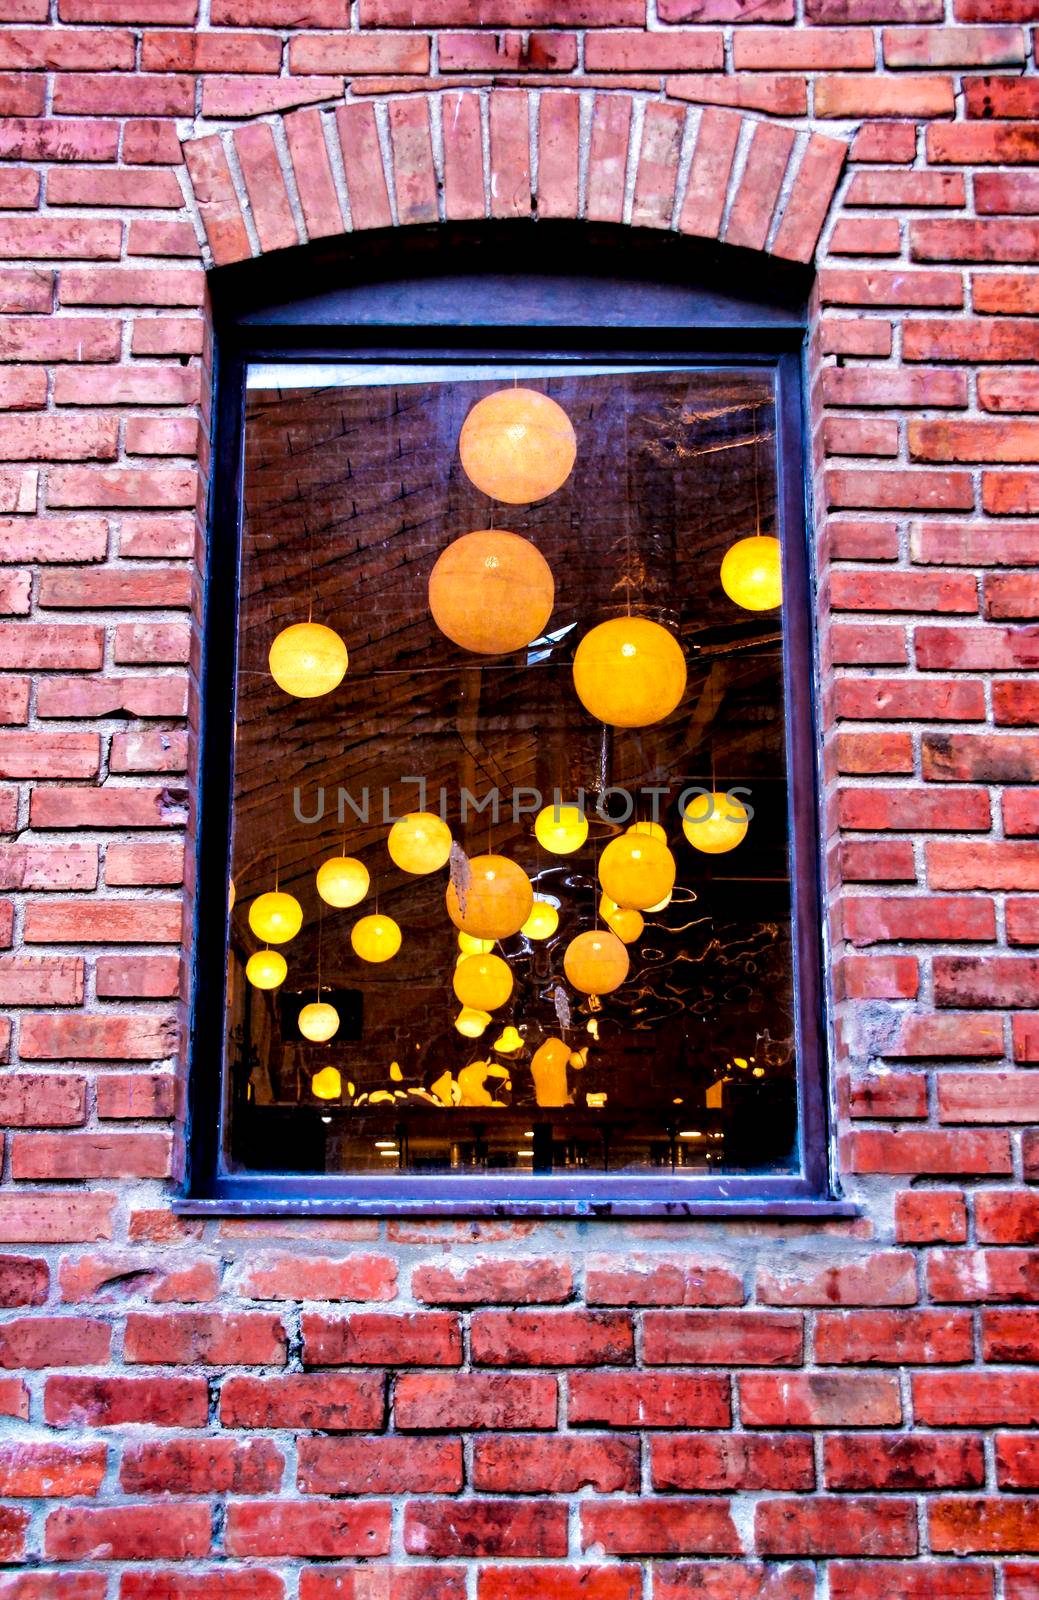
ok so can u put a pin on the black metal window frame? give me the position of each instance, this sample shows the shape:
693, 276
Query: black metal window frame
386, 299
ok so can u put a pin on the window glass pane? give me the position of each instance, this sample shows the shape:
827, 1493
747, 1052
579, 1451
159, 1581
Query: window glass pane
353, 488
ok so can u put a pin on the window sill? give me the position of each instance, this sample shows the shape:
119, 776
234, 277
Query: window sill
793, 1207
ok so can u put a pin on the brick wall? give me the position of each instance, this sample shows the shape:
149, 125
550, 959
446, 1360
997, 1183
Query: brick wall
272, 1409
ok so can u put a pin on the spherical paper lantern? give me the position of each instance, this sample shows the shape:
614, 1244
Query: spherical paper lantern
375, 938
327, 1084
318, 1021
498, 899
491, 592
752, 573
342, 881
307, 660
471, 946
629, 672
636, 871
518, 446
596, 962
561, 829
419, 842
627, 925
649, 830
471, 1023
265, 969
483, 982
542, 922
276, 916
715, 823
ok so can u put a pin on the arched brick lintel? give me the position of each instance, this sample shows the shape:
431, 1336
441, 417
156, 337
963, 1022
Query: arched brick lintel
460, 155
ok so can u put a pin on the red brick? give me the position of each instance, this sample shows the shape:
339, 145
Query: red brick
879, 977
475, 1400
525, 1281
556, 1466
912, 699
373, 1338
55, 1219
77, 1157
412, 1582
829, 1400
33, 1342
380, 1466
651, 1280
362, 161
327, 1401
323, 1528
1004, 1217
1017, 1462
609, 1582
923, 1580
452, 1528
898, 1461
202, 1466
969, 1276
918, 1338
649, 1400
929, 1151
120, 1533
914, 810
877, 861
32, 1100
997, 1097
874, 919
968, 1525
292, 1277
672, 1527
726, 1462
865, 1527
713, 1338
902, 386
44, 1470
1010, 1335
993, 865
24, 1281
729, 1580
552, 1338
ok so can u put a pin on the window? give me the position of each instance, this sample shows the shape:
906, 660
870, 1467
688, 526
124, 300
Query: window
508, 865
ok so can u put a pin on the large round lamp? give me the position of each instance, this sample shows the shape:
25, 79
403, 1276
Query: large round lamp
496, 902
517, 446
482, 982
715, 823
636, 871
629, 672
307, 660
491, 592
596, 962
419, 842
276, 917
752, 573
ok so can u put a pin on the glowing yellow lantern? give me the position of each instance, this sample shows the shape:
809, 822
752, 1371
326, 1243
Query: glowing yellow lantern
375, 938
629, 672
508, 1041
715, 823
276, 917
318, 1021
497, 900
327, 1084
518, 446
307, 660
542, 922
483, 982
491, 592
471, 946
342, 881
752, 573
596, 962
471, 1023
265, 969
548, 1069
627, 925
561, 829
648, 830
419, 842
636, 871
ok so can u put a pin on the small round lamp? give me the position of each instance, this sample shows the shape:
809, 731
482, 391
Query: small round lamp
752, 573
265, 969
276, 916
307, 660
596, 962
497, 901
375, 938
483, 982
561, 829
419, 842
342, 881
715, 823
318, 1021
636, 871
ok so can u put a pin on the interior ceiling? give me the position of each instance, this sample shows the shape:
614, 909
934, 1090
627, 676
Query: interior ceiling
350, 496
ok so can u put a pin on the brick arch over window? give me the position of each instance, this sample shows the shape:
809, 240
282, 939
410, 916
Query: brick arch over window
459, 155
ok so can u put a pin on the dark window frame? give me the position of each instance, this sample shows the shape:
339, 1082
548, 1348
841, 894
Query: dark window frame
387, 297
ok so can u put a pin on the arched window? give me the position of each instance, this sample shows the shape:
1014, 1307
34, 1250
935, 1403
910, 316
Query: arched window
540, 489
